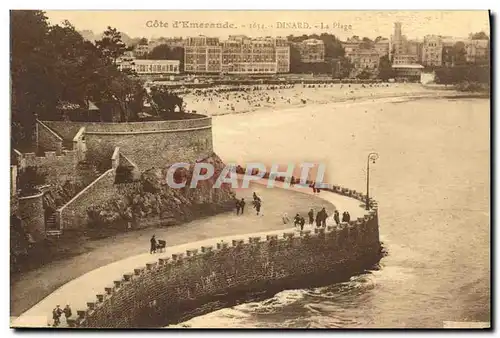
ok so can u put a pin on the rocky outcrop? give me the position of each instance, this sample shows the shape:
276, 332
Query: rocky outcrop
151, 199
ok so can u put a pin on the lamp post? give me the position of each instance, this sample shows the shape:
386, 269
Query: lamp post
371, 157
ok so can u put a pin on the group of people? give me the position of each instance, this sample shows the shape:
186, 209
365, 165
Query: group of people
221, 100
320, 218
299, 221
57, 313
257, 204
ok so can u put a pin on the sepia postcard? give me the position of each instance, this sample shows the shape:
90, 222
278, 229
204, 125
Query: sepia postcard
250, 169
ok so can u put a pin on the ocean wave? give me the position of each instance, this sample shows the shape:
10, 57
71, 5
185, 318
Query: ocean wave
279, 300
223, 318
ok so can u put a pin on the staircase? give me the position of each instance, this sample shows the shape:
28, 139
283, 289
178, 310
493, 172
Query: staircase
87, 172
51, 228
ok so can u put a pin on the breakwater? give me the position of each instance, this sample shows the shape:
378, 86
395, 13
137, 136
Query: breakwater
200, 280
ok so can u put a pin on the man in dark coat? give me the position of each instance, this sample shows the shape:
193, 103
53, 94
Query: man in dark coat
311, 216
302, 222
324, 216
238, 207
296, 220
56, 315
67, 312
242, 205
336, 217
258, 204
153, 245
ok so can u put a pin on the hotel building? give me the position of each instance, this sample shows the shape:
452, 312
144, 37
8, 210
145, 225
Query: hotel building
432, 50
311, 50
237, 55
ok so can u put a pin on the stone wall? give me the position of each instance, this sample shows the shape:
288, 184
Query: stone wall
74, 213
68, 129
147, 144
152, 150
176, 288
47, 140
32, 214
59, 168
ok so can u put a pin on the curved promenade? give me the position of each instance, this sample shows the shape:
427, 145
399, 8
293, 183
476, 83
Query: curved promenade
81, 292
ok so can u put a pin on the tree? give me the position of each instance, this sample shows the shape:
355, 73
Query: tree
111, 46
143, 41
165, 102
385, 68
29, 81
366, 43
30, 179
50, 64
459, 54
480, 36
364, 75
164, 52
345, 67
333, 46
295, 63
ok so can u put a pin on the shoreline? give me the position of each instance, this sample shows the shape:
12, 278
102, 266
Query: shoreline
416, 92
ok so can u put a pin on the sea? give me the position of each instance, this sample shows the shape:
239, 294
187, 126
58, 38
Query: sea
432, 183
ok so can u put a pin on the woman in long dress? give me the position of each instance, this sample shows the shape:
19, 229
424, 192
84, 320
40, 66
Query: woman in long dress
285, 218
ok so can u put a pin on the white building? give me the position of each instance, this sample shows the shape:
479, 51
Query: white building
408, 72
152, 67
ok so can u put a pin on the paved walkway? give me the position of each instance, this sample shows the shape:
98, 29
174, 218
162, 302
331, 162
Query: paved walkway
80, 290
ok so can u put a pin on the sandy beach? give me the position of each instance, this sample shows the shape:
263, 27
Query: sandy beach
215, 103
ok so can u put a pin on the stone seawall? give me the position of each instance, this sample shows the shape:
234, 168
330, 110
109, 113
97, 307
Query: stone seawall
200, 280
147, 144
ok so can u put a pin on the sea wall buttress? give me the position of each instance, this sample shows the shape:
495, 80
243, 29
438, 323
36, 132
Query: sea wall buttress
180, 286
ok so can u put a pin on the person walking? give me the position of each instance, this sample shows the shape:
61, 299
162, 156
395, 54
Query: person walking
324, 216
67, 312
336, 217
348, 216
238, 207
302, 222
153, 245
285, 218
258, 204
242, 205
318, 219
296, 220
311, 216
56, 315
344, 217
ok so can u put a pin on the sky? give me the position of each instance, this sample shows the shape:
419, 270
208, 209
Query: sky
415, 24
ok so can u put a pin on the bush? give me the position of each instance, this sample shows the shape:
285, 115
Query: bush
30, 179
